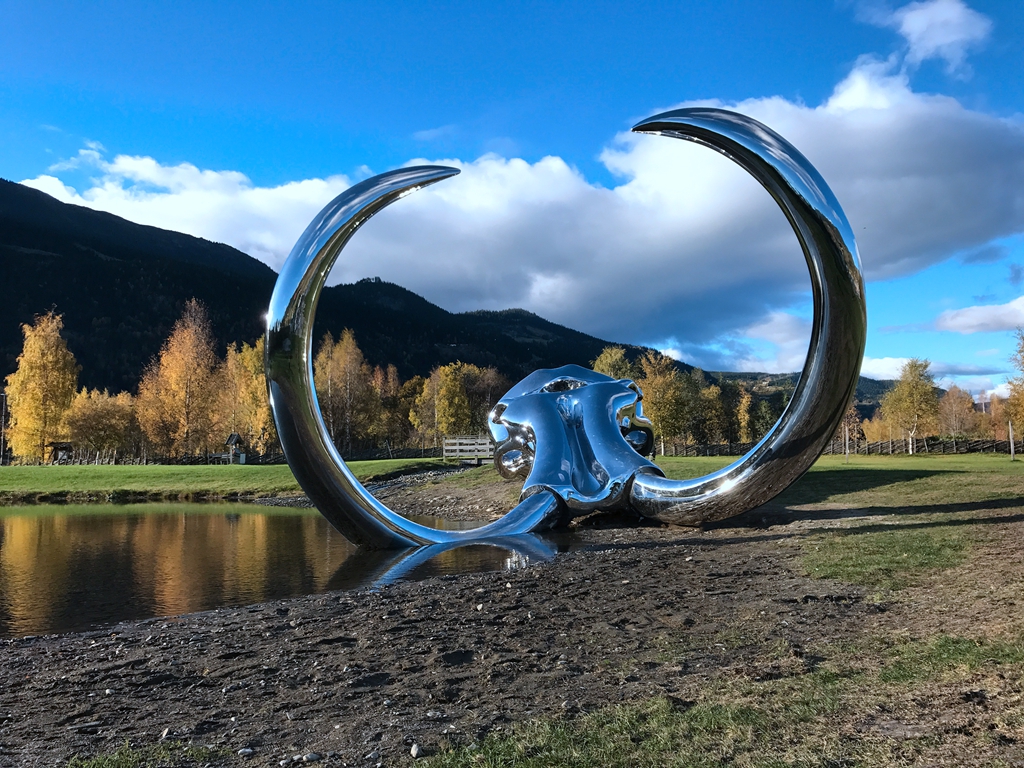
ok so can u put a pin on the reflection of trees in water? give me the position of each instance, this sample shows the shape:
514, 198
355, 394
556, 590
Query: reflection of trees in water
59, 572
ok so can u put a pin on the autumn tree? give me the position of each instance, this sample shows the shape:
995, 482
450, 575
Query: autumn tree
956, 413
423, 413
99, 421
713, 423
911, 406
665, 400
613, 362
764, 419
241, 404
745, 416
1015, 401
484, 386
454, 416
392, 422
344, 388
177, 391
40, 391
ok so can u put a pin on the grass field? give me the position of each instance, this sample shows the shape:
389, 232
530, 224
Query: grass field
88, 482
933, 540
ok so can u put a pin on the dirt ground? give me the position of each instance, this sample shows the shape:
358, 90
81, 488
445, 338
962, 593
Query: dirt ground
358, 678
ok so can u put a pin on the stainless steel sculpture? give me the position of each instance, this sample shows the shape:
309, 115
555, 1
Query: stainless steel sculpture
576, 436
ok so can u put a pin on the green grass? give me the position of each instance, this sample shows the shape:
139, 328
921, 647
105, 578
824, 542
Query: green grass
944, 655
162, 481
886, 557
163, 755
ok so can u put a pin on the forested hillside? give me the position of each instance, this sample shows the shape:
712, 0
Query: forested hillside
120, 287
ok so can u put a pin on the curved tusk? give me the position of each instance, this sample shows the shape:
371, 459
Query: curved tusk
314, 460
838, 332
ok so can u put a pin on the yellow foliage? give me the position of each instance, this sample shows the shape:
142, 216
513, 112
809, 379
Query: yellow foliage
241, 404
40, 391
176, 394
99, 422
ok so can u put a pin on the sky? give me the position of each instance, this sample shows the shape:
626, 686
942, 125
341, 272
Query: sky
237, 122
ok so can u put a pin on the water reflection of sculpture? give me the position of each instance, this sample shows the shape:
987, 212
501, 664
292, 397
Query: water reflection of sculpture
549, 430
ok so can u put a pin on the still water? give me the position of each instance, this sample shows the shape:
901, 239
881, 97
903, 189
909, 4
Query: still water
70, 567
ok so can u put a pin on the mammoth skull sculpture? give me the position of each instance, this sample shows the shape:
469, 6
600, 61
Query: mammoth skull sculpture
578, 438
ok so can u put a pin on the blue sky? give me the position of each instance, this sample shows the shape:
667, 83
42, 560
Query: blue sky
237, 122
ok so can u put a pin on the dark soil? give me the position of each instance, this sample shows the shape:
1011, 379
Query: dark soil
359, 677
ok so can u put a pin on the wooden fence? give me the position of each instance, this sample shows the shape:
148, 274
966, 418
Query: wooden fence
477, 447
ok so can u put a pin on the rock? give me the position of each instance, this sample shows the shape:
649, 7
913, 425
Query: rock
163, 735
311, 757
372, 756
415, 751
245, 752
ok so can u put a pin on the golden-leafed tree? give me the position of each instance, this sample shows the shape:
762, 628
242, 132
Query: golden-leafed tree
344, 388
454, 416
484, 386
423, 413
40, 391
957, 416
744, 416
1015, 402
99, 421
176, 395
665, 400
392, 423
613, 362
242, 405
911, 406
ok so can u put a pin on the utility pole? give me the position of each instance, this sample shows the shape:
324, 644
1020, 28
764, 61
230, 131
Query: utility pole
1013, 452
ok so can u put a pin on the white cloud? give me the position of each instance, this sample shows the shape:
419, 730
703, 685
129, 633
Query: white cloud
686, 245
882, 367
935, 29
991, 317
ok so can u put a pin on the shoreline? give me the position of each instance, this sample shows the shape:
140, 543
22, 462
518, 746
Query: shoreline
440, 663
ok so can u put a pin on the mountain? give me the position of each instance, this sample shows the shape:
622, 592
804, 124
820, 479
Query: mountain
120, 286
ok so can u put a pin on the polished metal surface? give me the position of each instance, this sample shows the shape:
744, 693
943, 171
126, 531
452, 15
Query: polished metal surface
838, 331
575, 433
313, 458
577, 437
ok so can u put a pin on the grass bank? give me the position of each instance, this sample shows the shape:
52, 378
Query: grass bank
926, 537
155, 482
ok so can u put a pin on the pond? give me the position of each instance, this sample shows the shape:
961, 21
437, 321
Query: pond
74, 567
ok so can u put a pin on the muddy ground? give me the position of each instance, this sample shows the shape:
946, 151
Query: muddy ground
358, 678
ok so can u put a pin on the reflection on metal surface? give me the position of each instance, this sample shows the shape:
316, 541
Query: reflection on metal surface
367, 567
577, 437
567, 432
838, 330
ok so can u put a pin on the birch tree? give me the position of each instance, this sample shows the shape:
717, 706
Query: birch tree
40, 391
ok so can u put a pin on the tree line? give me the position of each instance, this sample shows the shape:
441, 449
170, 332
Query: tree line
190, 400
692, 407
913, 409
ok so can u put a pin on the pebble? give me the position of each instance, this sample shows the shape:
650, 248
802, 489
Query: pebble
310, 757
245, 752
164, 734
479, 606
373, 755
415, 751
